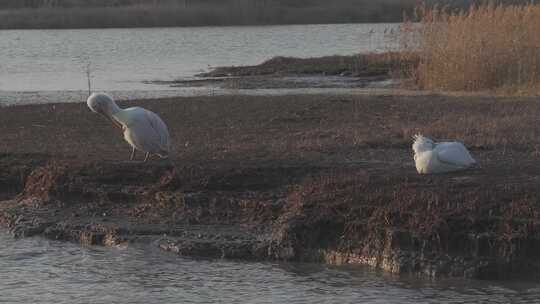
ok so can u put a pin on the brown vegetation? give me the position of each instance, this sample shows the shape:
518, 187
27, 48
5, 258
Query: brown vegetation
487, 47
222, 127
314, 178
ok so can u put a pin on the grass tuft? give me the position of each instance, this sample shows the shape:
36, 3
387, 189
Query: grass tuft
484, 48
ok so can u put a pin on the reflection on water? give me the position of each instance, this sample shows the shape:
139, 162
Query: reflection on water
34, 61
37, 270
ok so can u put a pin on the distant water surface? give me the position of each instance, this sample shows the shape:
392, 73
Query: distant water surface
36, 270
49, 65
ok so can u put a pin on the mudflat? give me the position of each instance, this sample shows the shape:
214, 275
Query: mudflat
309, 177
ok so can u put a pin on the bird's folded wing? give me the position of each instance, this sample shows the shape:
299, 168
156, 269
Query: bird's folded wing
146, 129
455, 154
160, 130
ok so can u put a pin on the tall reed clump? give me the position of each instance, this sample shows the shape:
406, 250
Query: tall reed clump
484, 48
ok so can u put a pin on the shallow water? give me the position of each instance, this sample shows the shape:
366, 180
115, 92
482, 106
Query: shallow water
49, 65
36, 270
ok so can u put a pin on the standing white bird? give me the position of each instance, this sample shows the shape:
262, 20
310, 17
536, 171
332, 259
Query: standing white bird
431, 157
143, 130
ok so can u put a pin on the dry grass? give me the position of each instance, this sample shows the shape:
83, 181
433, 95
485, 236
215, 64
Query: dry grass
275, 128
331, 172
485, 48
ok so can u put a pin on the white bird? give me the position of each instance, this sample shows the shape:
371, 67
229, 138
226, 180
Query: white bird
143, 130
431, 157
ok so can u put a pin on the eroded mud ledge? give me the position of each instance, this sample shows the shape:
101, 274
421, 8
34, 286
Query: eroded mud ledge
298, 191
358, 214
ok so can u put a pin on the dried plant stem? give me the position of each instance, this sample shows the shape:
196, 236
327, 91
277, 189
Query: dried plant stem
484, 48
88, 78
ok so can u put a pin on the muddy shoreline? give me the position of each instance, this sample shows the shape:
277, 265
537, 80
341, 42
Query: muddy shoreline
373, 70
296, 178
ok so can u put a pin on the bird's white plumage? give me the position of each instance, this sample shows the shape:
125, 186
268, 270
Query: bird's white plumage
431, 157
143, 130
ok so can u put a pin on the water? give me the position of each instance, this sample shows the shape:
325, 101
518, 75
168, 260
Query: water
40, 271
50, 65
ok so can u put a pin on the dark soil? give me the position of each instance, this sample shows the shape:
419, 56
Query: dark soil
359, 65
301, 178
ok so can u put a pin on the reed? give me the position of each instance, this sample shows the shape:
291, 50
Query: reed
488, 47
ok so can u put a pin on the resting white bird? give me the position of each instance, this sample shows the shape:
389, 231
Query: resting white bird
143, 129
431, 157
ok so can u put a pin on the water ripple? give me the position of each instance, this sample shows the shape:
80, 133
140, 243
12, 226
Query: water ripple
37, 270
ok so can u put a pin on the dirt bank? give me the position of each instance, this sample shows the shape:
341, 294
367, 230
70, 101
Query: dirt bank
374, 70
359, 65
311, 178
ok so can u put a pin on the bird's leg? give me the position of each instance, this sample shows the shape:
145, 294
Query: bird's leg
146, 157
132, 154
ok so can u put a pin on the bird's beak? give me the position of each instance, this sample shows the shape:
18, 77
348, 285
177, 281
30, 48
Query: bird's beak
114, 122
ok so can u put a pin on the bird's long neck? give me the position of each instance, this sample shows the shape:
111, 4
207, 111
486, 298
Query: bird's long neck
114, 108
112, 115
